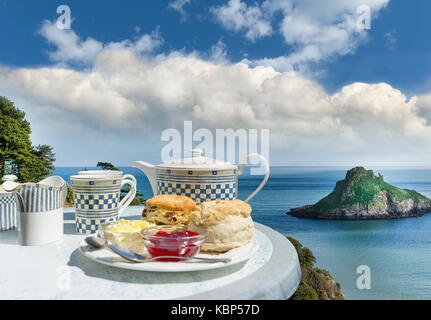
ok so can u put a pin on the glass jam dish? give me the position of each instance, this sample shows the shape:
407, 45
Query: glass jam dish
172, 240
125, 234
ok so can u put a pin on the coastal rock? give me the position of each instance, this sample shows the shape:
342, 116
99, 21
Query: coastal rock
362, 195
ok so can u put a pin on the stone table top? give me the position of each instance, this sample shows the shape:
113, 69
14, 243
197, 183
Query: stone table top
59, 271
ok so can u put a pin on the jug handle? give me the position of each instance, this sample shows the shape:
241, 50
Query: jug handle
18, 198
265, 179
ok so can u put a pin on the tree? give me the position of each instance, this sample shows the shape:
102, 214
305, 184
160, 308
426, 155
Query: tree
107, 166
17, 154
42, 165
15, 144
46, 155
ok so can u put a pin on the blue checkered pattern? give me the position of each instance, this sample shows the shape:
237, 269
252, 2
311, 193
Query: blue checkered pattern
8, 213
96, 202
7, 200
89, 226
199, 192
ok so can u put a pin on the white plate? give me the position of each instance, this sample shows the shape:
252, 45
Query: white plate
109, 258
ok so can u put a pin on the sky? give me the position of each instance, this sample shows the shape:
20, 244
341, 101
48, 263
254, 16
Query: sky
330, 92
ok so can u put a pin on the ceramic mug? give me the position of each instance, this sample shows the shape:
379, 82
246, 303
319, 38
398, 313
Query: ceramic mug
97, 200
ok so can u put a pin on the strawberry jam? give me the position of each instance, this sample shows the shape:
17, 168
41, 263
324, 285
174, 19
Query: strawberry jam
183, 243
176, 234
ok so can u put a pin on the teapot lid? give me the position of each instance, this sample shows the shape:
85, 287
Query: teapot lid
197, 162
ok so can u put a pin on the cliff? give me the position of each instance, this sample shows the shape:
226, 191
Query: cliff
362, 195
316, 284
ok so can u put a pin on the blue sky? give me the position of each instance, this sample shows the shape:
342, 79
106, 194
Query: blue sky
392, 59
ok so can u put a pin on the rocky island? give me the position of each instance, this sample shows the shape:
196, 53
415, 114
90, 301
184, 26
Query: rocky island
362, 195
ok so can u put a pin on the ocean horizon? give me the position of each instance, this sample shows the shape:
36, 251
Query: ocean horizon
398, 252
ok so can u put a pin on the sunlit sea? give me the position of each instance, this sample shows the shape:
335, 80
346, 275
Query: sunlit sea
398, 252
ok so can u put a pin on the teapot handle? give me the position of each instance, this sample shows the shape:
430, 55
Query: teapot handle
265, 179
150, 172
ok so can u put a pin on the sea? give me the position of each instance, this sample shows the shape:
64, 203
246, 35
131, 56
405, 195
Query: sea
397, 253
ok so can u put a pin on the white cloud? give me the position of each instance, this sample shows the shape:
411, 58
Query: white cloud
423, 106
178, 5
391, 38
218, 52
314, 33
70, 48
382, 116
237, 16
125, 94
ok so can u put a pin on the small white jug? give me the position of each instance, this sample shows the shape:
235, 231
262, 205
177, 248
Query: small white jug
40, 207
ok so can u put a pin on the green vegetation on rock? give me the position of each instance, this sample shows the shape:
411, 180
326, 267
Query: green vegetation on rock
316, 284
360, 187
305, 292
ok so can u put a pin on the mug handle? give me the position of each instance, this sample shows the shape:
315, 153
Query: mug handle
128, 198
130, 177
64, 191
265, 179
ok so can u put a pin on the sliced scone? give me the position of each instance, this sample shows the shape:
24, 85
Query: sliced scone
168, 209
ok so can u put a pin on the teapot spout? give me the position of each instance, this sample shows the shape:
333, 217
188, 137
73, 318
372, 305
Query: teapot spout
150, 172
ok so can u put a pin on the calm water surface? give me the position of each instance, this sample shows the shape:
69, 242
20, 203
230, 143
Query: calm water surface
397, 251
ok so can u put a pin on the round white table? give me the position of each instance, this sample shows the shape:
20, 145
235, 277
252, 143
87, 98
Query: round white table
59, 271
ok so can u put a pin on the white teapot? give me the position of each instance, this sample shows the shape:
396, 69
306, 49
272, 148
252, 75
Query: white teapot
198, 177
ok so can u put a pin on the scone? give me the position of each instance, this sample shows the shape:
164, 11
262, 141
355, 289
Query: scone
227, 224
168, 209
